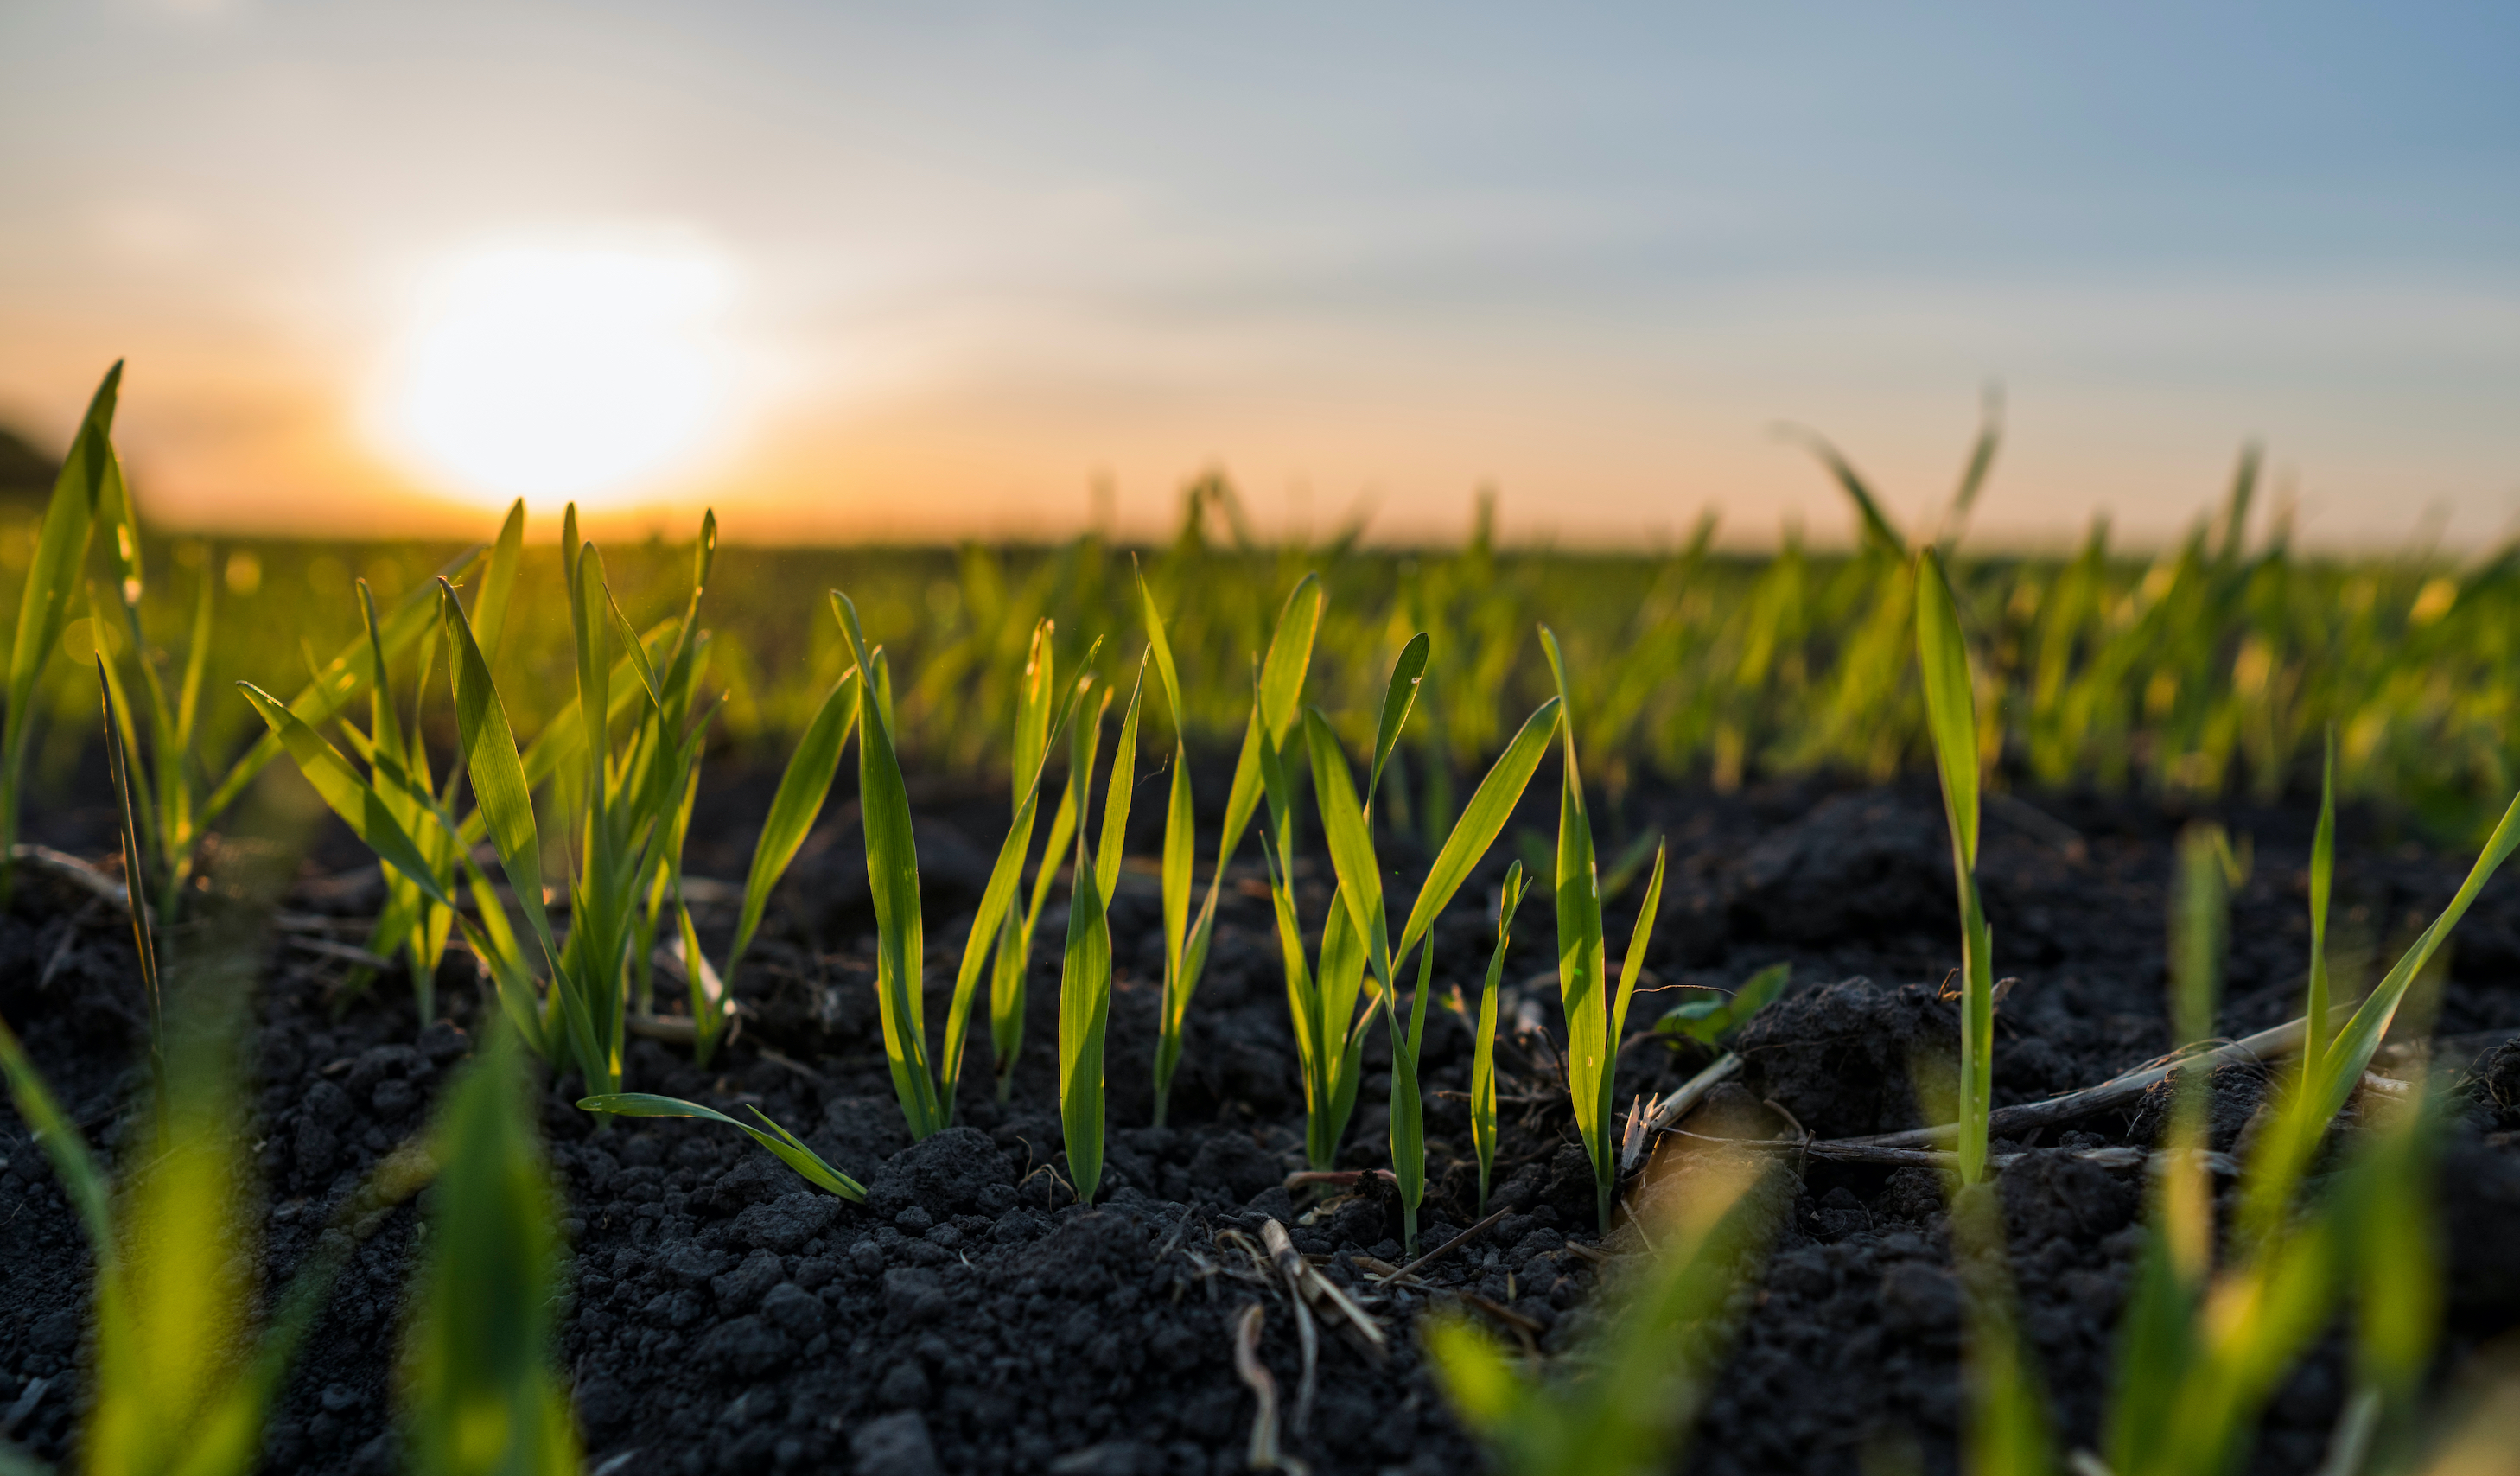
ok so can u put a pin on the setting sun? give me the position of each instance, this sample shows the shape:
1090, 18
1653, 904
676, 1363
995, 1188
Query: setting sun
584, 371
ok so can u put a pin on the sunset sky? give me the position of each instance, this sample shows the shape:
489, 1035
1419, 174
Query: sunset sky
930, 269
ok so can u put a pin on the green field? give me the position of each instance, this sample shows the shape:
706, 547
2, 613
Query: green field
523, 745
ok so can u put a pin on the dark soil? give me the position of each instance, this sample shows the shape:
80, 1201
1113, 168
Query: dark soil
969, 1318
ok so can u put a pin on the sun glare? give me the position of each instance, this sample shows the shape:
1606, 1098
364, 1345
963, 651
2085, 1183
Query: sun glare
584, 371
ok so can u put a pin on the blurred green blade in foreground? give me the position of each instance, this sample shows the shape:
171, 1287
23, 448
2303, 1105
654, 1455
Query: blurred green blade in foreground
482, 1397
1648, 1363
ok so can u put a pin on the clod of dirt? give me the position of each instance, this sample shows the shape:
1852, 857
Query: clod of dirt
1843, 1058
2480, 1204
1856, 865
1730, 1112
2495, 1084
2050, 1194
947, 1173
894, 1445
2235, 1091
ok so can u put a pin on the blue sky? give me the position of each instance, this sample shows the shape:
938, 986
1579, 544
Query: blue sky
979, 257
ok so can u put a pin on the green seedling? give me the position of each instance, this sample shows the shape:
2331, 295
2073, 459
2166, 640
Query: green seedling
143, 936
802, 787
1647, 1368
1268, 768
178, 793
1596, 1019
785, 1146
411, 923
1712, 1019
482, 1396
2208, 1340
1951, 716
1034, 743
52, 583
1084, 969
1483, 1077
892, 877
1358, 912
1186, 941
998, 924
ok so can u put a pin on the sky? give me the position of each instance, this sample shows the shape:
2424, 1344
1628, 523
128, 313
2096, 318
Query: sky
1003, 269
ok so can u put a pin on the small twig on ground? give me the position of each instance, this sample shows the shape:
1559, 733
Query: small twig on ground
1661, 1118
2264, 1046
1522, 1326
68, 867
1855, 1150
1291, 1271
1318, 1290
1265, 1454
1449, 1246
1334, 1178
348, 952
797, 1066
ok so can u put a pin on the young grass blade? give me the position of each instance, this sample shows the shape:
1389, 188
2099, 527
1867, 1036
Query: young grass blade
1181, 841
359, 804
51, 582
1645, 1368
143, 936
1583, 969
483, 1398
1483, 1092
1408, 1103
1482, 820
1006, 982
619, 624
2342, 1065
1951, 717
1360, 891
330, 686
499, 786
1879, 532
1981, 461
892, 876
1351, 843
505, 801
172, 1379
1117, 792
2007, 1433
499, 580
1397, 698
1290, 657
1631, 965
494, 945
1084, 988
994, 922
787, 1147
2323, 886
188, 707
83, 1183
803, 789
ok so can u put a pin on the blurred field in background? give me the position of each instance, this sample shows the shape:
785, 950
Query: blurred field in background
2206, 670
